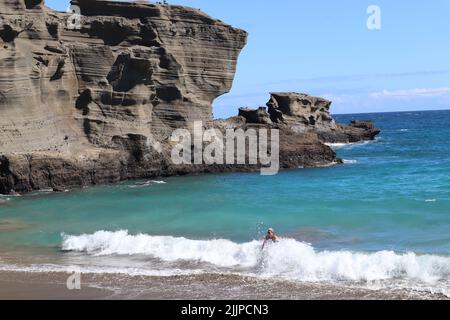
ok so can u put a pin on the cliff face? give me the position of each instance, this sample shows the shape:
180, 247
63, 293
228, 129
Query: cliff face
85, 106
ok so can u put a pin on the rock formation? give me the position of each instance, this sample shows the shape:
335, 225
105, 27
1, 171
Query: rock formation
94, 98
356, 131
83, 106
305, 125
301, 113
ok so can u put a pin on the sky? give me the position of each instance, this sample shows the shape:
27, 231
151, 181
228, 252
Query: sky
325, 48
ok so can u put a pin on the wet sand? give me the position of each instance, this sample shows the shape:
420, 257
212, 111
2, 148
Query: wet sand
40, 286
43, 286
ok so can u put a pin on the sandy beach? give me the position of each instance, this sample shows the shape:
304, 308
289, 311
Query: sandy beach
43, 286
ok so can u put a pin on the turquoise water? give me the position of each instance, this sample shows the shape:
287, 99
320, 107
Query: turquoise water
392, 194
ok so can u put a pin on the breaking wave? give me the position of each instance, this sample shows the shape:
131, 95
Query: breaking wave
288, 258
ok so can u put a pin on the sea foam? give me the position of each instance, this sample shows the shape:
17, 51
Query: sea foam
147, 183
337, 145
350, 144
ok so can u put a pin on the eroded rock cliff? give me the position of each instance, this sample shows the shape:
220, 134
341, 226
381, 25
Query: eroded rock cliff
82, 106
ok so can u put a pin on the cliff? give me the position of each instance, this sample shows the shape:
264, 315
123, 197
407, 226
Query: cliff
97, 103
84, 106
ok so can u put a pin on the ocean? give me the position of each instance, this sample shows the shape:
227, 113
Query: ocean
380, 221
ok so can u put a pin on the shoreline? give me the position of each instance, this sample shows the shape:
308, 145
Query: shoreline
37, 273
155, 180
43, 286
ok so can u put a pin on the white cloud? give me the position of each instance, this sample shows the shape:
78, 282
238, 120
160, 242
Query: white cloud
411, 93
391, 100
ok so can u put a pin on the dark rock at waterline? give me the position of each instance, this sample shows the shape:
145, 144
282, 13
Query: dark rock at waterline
361, 130
356, 131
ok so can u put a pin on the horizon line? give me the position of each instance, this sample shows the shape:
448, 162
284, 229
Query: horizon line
395, 111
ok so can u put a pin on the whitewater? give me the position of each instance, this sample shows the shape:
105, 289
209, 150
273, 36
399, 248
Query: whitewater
288, 259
